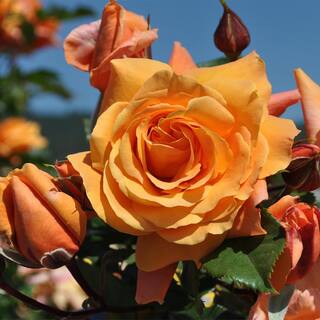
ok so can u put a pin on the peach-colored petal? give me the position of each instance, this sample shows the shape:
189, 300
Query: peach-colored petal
248, 220
280, 134
153, 286
125, 80
149, 247
259, 311
250, 68
279, 102
310, 98
80, 44
39, 232
130, 48
181, 60
279, 208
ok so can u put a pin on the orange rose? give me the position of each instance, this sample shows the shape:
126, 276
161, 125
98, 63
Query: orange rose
18, 135
119, 34
174, 158
13, 13
301, 223
45, 225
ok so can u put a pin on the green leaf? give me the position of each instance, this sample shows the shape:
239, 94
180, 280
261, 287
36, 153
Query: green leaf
28, 32
248, 262
47, 81
214, 62
62, 13
278, 304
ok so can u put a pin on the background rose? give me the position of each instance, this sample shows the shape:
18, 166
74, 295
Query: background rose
13, 15
44, 224
174, 158
18, 135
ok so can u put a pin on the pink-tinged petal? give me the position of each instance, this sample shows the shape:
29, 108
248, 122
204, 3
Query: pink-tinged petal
153, 286
295, 246
310, 98
311, 280
131, 48
279, 208
279, 102
80, 44
304, 305
248, 220
181, 60
259, 311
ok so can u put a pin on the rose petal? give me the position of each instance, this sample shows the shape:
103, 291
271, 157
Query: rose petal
279, 102
153, 286
181, 60
310, 98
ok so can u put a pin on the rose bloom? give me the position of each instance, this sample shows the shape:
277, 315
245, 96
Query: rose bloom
45, 225
56, 287
174, 158
18, 135
13, 13
120, 33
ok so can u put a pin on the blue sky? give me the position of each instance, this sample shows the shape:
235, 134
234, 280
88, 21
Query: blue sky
285, 33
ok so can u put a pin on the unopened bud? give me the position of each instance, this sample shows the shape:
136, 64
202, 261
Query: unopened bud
303, 173
231, 36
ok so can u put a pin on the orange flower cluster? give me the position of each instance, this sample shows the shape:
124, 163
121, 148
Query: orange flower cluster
18, 17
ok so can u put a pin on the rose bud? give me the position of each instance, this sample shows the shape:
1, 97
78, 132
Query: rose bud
303, 172
301, 222
45, 225
231, 36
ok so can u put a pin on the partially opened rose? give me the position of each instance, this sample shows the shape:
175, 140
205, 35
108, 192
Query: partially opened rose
119, 34
45, 225
173, 159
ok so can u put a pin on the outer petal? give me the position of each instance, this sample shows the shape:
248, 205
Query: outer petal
279, 102
6, 213
127, 76
181, 60
92, 181
310, 96
280, 134
249, 68
80, 44
130, 48
280, 207
67, 210
39, 231
153, 286
248, 220
153, 252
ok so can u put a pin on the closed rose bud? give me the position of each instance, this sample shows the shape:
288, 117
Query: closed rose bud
301, 222
231, 36
45, 225
303, 172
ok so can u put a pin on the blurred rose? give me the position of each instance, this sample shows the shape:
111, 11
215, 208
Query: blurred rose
301, 222
55, 287
15, 15
120, 33
44, 224
18, 135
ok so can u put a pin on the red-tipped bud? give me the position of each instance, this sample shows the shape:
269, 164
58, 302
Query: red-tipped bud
231, 36
303, 173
